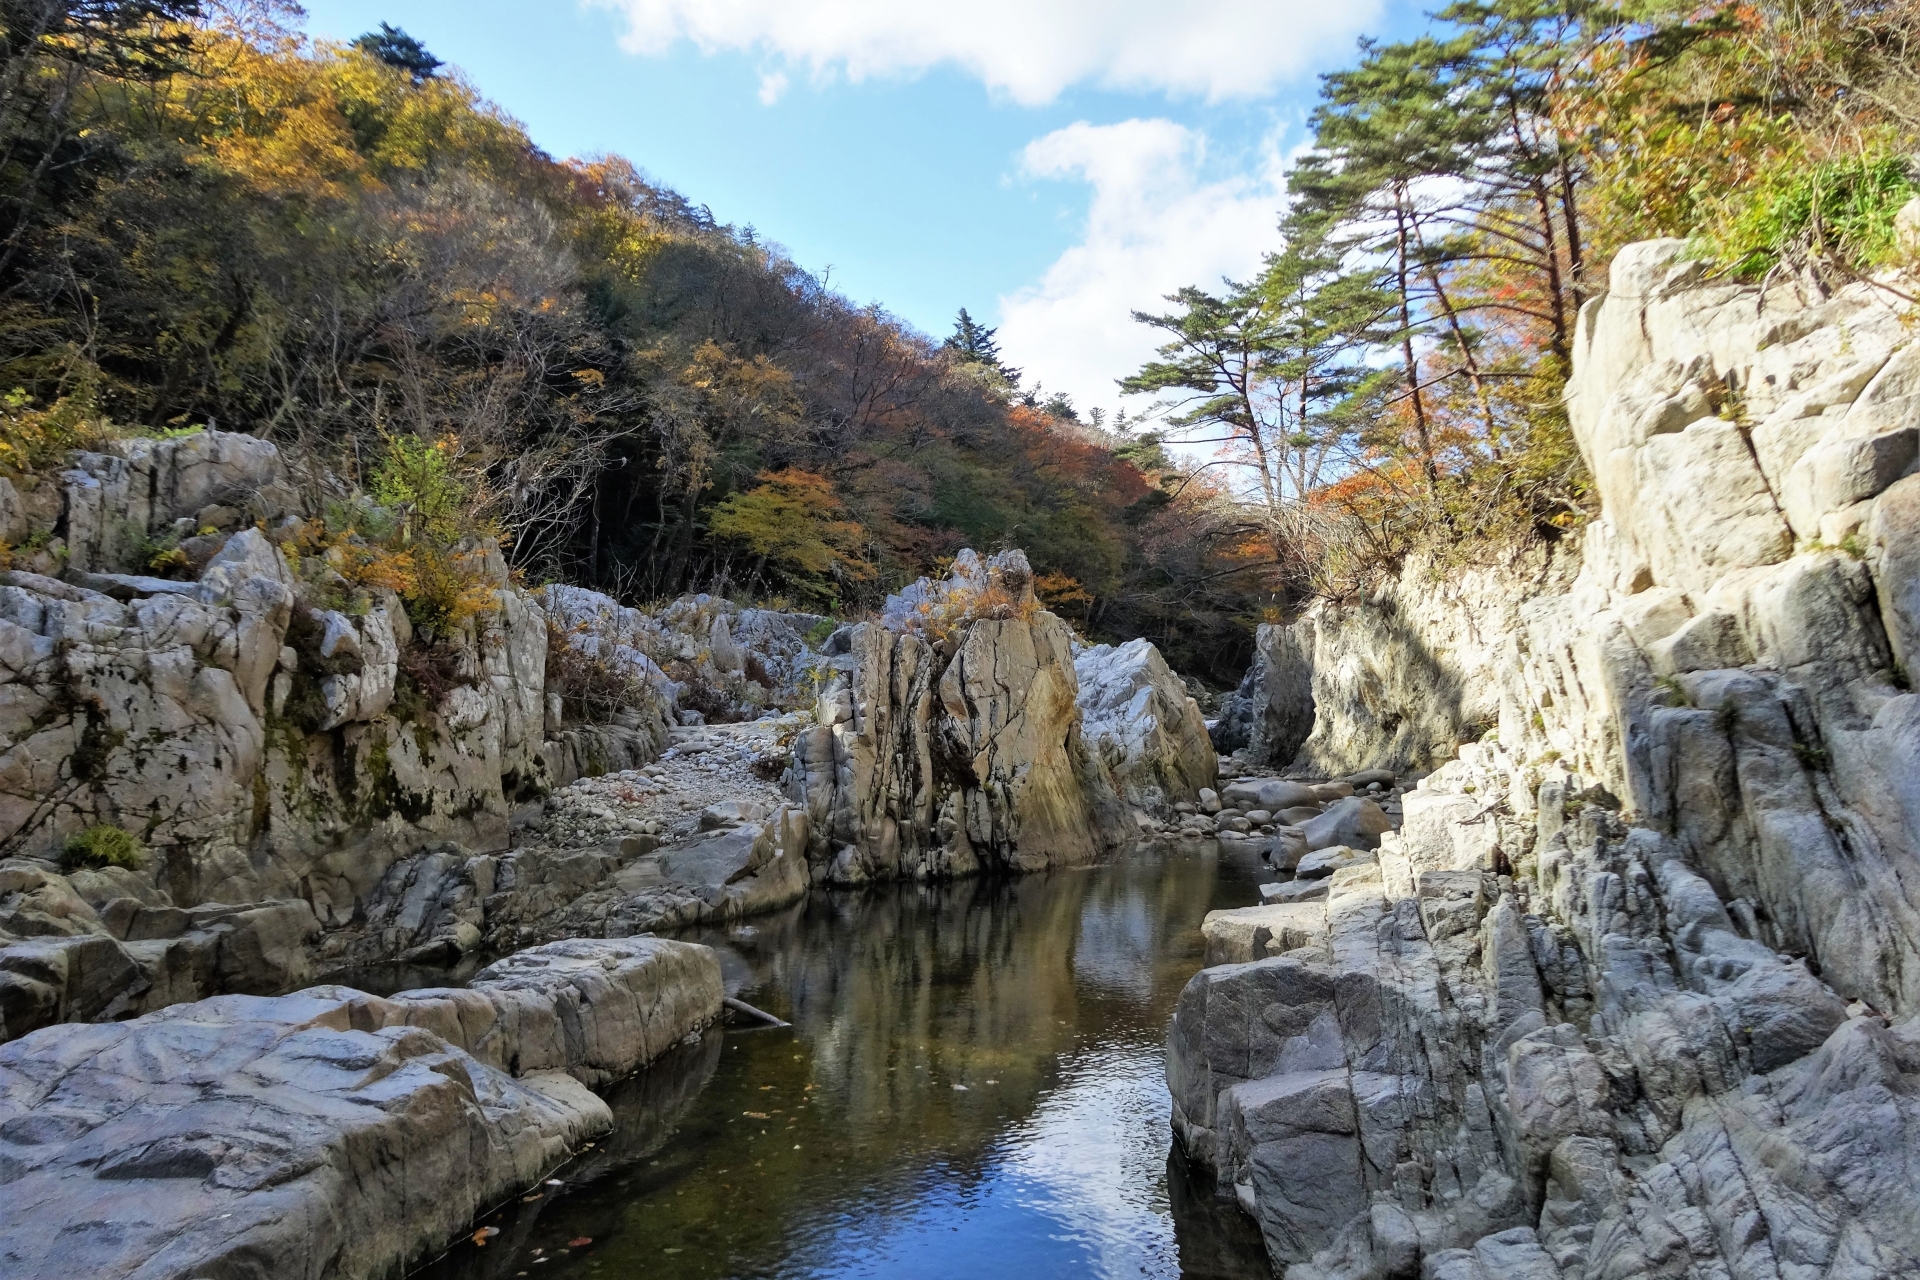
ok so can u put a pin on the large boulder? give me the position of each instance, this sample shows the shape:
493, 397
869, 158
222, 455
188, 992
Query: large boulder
1270, 715
328, 1133
1137, 717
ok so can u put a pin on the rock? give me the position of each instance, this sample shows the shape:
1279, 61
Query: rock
1272, 712
1272, 794
1323, 862
1137, 718
936, 760
1637, 972
1906, 231
154, 712
1295, 890
1209, 800
1354, 821
1709, 642
1243, 934
329, 1132
1894, 536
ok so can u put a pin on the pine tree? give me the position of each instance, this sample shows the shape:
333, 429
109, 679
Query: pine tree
397, 49
973, 343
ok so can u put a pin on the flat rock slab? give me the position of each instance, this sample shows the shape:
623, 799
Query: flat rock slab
1322, 863
1244, 934
1293, 891
328, 1133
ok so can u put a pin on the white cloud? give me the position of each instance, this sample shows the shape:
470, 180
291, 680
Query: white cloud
772, 85
1154, 223
1029, 50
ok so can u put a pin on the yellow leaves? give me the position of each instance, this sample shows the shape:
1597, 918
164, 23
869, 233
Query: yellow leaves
737, 388
795, 521
1058, 589
320, 121
31, 438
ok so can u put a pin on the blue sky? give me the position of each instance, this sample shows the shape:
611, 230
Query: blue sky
1048, 164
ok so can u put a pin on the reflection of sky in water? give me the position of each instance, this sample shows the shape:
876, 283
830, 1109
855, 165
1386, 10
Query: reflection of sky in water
1076, 1189
1116, 946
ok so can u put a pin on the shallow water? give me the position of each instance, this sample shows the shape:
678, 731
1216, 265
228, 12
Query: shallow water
972, 1087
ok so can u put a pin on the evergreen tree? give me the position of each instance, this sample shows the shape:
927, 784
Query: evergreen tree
396, 48
973, 343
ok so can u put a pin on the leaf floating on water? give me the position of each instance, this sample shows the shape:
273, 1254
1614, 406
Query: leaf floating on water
481, 1236
959, 1088
579, 1242
530, 1199
757, 1115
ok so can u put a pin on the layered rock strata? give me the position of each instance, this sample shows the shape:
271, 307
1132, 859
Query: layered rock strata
1631, 992
326, 1133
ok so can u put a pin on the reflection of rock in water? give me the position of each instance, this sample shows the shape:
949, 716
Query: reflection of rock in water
974, 1068
646, 1109
1215, 1238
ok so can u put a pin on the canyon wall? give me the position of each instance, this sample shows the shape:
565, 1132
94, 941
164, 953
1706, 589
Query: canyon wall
1631, 992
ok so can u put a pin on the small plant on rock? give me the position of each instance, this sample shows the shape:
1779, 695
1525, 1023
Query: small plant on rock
103, 846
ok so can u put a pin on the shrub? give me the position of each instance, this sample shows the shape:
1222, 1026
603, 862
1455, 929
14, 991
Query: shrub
104, 846
31, 438
447, 590
591, 688
1841, 211
423, 482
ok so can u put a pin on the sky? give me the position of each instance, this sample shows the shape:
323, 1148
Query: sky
1050, 165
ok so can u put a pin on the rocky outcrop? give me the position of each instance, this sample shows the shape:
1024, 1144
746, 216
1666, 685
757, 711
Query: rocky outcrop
250, 737
1630, 993
955, 742
327, 1133
446, 902
1137, 718
1270, 715
729, 663
106, 944
252, 721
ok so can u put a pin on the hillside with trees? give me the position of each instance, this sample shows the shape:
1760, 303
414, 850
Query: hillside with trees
211, 220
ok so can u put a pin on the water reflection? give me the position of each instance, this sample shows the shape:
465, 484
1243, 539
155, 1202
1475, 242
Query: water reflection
973, 1084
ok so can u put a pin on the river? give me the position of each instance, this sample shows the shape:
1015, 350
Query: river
972, 1087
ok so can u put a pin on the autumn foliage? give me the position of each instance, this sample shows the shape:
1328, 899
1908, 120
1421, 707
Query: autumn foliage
347, 250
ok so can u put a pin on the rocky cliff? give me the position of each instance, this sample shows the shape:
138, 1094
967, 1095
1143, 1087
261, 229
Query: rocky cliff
1631, 993
950, 736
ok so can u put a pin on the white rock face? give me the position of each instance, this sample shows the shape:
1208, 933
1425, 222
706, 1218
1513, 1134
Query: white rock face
1137, 717
1630, 993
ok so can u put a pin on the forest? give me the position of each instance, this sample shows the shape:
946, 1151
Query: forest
208, 219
